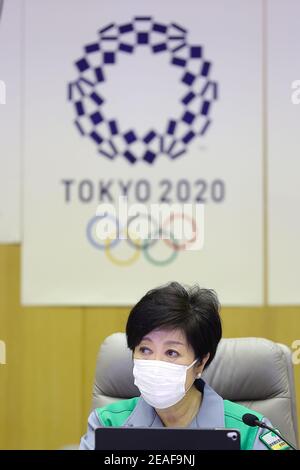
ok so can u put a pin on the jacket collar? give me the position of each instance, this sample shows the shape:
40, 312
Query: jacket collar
210, 415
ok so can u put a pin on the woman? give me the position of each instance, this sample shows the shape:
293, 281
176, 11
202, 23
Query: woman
173, 333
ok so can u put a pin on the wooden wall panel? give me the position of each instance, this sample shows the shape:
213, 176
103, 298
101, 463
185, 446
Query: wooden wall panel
41, 384
99, 323
3, 336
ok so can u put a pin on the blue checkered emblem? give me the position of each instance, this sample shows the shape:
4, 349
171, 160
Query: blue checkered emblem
106, 132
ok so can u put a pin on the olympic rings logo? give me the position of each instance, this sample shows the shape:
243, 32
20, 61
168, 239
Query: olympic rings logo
166, 232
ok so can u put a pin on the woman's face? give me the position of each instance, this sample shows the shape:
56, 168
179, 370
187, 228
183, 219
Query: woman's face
170, 346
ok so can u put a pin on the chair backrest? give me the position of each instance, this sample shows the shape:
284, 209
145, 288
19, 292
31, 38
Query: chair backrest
254, 372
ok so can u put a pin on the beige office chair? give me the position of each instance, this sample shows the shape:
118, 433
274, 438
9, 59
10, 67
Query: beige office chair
254, 372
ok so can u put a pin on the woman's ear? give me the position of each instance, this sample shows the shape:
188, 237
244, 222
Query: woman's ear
200, 366
205, 359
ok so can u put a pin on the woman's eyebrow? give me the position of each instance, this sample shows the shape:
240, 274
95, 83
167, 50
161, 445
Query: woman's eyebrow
174, 342
168, 342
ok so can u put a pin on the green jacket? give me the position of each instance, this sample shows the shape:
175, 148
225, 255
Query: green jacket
116, 414
214, 412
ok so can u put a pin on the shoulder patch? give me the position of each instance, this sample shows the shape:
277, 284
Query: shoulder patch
235, 410
121, 405
273, 442
115, 414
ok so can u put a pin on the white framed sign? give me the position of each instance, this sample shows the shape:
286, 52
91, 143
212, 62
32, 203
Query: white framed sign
141, 100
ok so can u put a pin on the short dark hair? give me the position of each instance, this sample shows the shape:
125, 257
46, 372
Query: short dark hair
193, 310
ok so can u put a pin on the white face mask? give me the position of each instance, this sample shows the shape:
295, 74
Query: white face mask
161, 383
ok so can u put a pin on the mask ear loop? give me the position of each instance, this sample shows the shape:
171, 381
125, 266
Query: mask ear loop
194, 362
197, 376
200, 373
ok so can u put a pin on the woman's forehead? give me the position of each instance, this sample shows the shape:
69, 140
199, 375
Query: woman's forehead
166, 335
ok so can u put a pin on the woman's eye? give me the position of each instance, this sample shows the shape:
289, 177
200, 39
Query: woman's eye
172, 353
144, 350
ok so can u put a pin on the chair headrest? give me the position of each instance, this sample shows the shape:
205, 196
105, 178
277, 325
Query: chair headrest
249, 369
243, 369
114, 368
